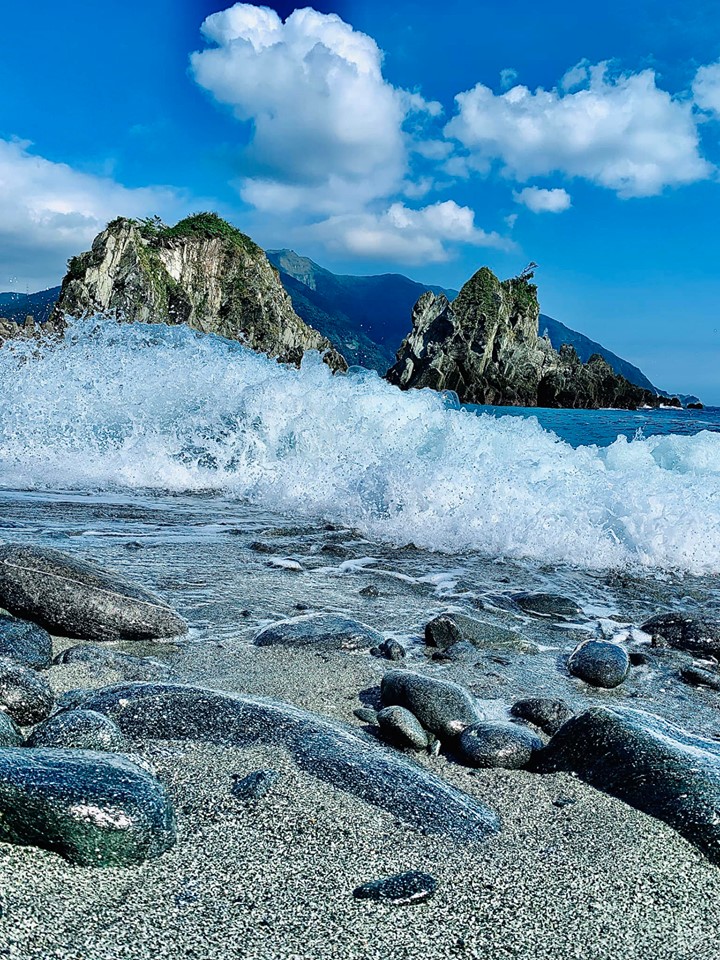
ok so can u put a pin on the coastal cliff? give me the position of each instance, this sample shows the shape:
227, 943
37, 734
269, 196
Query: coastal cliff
484, 345
201, 272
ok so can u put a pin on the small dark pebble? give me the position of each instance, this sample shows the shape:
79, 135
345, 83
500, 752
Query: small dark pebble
401, 889
302, 606
564, 802
133, 545
255, 785
259, 547
370, 591
698, 677
390, 650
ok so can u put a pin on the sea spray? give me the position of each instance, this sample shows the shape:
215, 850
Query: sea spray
125, 406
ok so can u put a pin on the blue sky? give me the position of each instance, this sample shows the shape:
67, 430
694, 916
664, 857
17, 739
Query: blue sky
424, 139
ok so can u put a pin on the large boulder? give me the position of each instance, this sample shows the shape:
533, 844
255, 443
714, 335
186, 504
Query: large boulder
92, 808
647, 762
325, 630
74, 598
442, 707
25, 642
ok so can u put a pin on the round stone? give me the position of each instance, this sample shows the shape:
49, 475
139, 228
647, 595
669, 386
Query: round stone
496, 744
79, 730
600, 663
24, 695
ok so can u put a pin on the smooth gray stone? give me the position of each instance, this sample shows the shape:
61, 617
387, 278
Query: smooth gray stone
94, 809
131, 667
24, 695
497, 744
403, 728
10, 735
324, 630
600, 663
366, 714
547, 714
447, 629
73, 598
649, 763
255, 785
442, 707
79, 730
25, 642
399, 890
348, 759
547, 605
684, 632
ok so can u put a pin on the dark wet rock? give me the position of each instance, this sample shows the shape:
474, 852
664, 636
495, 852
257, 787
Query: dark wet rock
10, 735
639, 659
442, 707
497, 744
547, 605
562, 802
25, 642
456, 652
698, 677
127, 665
684, 632
648, 763
366, 715
254, 785
401, 889
260, 547
389, 650
448, 629
325, 630
369, 591
24, 695
350, 760
133, 545
402, 728
600, 663
543, 712
94, 809
73, 598
79, 730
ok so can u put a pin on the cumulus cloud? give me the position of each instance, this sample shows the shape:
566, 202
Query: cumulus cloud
49, 212
620, 132
406, 235
706, 88
325, 122
540, 200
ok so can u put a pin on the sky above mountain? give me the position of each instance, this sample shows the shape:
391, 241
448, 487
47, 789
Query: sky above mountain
427, 139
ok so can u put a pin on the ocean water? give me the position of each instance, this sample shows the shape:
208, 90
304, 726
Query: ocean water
133, 412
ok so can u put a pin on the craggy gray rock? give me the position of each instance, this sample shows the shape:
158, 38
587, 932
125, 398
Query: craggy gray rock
74, 598
647, 762
543, 712
442, 707
447, 629
24, 695
485, 347
79, 730
684, 632
398, 890
389, 650
347, 759
599, 663
94, 809
402, 728
25, 642
324, 630
496, 744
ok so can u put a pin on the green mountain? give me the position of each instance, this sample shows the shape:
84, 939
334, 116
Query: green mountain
18, 306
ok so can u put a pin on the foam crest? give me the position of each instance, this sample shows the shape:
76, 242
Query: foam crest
153, 407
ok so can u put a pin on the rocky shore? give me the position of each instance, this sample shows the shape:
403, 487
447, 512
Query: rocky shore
354, 752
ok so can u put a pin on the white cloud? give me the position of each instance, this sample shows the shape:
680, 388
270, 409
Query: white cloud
49, 212
620, 132
405, 235
706, 88
540, 200
326, 123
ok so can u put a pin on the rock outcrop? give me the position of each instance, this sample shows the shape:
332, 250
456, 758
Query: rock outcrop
201, 272
485, 346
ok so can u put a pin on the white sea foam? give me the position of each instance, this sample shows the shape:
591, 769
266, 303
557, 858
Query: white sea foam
129, 406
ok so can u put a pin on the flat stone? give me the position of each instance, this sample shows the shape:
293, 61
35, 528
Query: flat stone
402, 728
600, 663
442, 707
547, 605
73, 598
254, 785
547, 714
127, 665
497, 744
348, 759
324, 630
684, 632
446, 630
79, 730
25, 642
399, 890
24, 695
648, 763
10, 735
94, 809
